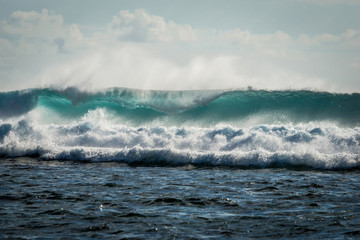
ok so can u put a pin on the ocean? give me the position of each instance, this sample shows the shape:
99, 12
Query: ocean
139, 164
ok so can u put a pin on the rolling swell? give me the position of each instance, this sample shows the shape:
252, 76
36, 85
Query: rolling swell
208, 106
293, 106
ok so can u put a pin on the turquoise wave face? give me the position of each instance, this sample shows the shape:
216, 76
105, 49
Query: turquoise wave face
259, 129
186, 106
293, 106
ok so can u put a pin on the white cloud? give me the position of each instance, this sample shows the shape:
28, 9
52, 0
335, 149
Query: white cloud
34, 24
270, 44
141, 26
245, 37
350, 37
328, 2
40, 30
141, 50
355, 64
6, 46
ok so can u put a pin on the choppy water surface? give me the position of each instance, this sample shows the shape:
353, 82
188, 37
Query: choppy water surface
57, 199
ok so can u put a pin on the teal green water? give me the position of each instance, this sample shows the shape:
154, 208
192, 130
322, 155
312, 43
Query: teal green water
207, 106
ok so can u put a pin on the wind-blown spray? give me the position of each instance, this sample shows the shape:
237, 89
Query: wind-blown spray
214, 128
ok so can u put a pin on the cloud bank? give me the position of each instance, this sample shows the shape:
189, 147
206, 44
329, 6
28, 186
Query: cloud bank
141, 50
331, 2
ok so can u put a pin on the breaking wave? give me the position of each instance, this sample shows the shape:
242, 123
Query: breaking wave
246, 129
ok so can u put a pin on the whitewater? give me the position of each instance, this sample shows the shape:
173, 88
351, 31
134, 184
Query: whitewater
296, 129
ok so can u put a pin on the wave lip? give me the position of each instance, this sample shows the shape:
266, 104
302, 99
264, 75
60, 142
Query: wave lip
18, 102
189, 106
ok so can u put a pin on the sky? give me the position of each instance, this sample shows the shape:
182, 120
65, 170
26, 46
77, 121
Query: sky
180, 45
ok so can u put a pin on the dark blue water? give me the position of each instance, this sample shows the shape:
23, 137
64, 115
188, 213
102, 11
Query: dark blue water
73, 200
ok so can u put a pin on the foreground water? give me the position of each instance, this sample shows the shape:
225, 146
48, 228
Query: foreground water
76, 200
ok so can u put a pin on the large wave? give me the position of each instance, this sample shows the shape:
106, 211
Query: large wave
209, 106
316, 130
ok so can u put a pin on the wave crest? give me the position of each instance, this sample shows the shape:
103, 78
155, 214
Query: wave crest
187, 106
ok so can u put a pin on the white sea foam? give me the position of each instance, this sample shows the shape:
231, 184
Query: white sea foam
99, 137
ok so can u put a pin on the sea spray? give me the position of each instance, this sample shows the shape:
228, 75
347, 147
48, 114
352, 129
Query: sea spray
247, 129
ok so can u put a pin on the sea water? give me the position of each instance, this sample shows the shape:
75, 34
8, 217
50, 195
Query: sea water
76, 200
123, 163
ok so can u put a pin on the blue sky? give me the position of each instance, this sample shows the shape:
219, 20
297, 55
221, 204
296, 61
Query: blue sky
272, 44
